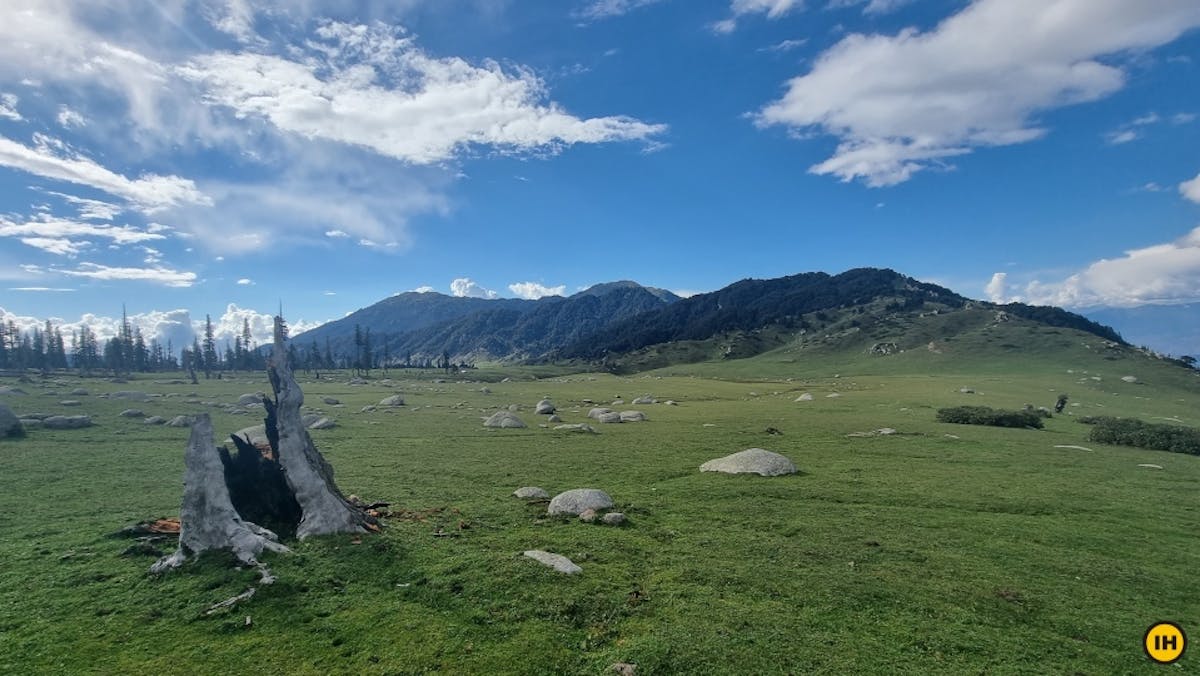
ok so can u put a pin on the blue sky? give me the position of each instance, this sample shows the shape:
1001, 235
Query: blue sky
187, 157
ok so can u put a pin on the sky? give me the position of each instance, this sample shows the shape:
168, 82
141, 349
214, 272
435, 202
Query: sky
183, 158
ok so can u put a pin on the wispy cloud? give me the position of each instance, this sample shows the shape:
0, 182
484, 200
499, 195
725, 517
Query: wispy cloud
8, 107
903, 103
158, 275
605, 9
784, 46
69, 119
773, 9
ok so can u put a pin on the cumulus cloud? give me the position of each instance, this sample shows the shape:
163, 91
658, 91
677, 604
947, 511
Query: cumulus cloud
1163, 274
1191, 189
463, 287
533, 290
372, 87
51, 158
902, 103
997, 288
8, 107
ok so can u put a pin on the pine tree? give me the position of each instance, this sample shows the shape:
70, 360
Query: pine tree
209, 353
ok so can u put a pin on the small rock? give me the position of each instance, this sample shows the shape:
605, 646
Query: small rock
556, 561
1129, 379
531, 493
155, 420
595, 413
1149, 466
79, 392
624, 669
368, 408
132, 413
580, 427
70, 402
544, 407
504, 420
834, 395
249, 399
610, 417
632, 416
642, 401
671, 402
967, 390
589, 516
613, 519
394, 400
331, 401
67, 422
179, 421
554, 419
805, 397
323, 424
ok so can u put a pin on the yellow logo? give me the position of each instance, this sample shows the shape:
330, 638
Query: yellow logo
1164, 642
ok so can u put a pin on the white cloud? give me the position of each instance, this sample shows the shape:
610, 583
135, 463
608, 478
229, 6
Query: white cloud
1121, 136
1191, 189
159, 275
8, 107
784, 46
902, 103
1183, 118
233, 17
424, 289
372, 87
533, 290
68, 118
51, 158
774, 9
1163, 274
245, 282
603, 9
873, 7
62, 228
95, 210
335, 234
997, 288
55, 245
463, 287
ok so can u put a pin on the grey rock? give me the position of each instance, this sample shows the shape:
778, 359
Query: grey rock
368, 408
544, 407
155, 420
967, 390
10, 425
642, 401
394, 400
513, 408
309, 418
255, 434
554, 419
751, 461
589, 516
129, 395
67, 422
179, 421
531, 493
70, 402
833, 395
29, 423
613, 519
578, 500
79, 392
610, 417
323, 424
671, 402
132, 413
595, 413
250, 399
805, 397
503, 420
331, 401
12, 390
1129, 379
556, 561
580, 427
632, 416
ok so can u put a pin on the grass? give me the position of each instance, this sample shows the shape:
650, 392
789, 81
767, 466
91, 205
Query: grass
940, 549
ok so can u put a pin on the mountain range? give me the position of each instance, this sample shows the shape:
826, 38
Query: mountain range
612, 323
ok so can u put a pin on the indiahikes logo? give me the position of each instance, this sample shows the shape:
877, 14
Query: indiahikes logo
1164, 642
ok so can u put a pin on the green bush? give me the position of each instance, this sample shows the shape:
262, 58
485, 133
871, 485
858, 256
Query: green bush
1139, 434
983, 415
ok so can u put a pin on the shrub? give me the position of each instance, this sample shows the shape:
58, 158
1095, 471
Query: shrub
1139, 434
983, 415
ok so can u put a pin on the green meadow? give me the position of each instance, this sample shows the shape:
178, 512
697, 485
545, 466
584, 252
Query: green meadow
938, 549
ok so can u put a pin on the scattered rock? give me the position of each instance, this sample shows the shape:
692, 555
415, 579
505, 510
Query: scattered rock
1129, 379
132, 413
610, 417
79, 392
323, 424
248, 399
632, 416
642, 401
751, 461
504, 420
70, 402
67, 422
580, 427
129, 395
179, 421
613, 519
554, 419
10, 425
578, 500
12, 390
1076, 448
805, 397
155, 420
394, 400
595, 413
1149, 466
255, 434
544, 407
531, 493
589, 516
967, 390
556, 561
331, 401
833, 395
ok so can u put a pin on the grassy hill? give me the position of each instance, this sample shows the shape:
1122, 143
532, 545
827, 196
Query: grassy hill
939, 549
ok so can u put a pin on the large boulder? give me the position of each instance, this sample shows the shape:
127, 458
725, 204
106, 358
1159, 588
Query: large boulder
579, 500
544, 407
10, 425
394, 400
504, 420
751, 461
67, 422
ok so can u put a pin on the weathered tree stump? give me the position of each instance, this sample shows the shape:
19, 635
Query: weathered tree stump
287, 484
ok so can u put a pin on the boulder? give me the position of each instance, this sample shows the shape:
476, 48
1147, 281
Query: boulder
323, 424
751, 461
179, 421
554, 419
10, 425
1129, 379
129, 395
394, 400
610, 417
531, 493
70, 402
330, 401
67, 422
248, 399
595, 413
578, 500
255, 434
642, 401
132, 413
556, 561
805, 397
613, 519
632, 416
79, 392
155, 420
544, 407
503, 420
11, 390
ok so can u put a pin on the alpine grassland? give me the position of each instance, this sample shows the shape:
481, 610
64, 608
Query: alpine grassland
903, 545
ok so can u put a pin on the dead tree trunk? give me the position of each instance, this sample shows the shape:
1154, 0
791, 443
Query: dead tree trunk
324, 509
207, 518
